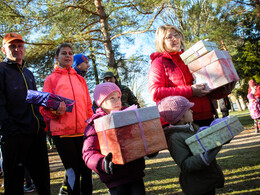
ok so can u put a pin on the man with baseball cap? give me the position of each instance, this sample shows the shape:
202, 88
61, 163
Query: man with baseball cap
23, 142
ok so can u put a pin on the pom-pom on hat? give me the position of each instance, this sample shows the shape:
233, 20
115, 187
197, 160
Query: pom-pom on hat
11, 37
172, 108
78, 59
103, 90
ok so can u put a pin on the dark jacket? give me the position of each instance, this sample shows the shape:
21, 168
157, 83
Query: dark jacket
224, 104
16, 116
130, 172
196, 177
127, 98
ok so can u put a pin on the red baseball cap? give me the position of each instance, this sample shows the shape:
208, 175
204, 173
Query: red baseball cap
12, 36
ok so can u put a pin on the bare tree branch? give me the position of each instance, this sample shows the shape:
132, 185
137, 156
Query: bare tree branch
90, 24
82, 8
142, 31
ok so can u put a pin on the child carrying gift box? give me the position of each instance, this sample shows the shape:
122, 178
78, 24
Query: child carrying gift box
120, 179
200, 174
130, 134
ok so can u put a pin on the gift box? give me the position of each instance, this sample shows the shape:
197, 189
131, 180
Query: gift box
131, 134
214, 69
48, 100
220, 132
198, 50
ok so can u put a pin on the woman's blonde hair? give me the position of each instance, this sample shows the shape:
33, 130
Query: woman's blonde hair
160, 35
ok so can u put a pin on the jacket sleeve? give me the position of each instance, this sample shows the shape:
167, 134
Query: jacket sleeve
91, 151
158, 81
217, 94
5, 118
182, 155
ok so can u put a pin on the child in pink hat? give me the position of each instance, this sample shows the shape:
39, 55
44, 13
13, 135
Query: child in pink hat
200, 174
120, 179
254, 109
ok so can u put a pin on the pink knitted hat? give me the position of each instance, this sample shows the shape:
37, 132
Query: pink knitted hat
172, 108
103, 90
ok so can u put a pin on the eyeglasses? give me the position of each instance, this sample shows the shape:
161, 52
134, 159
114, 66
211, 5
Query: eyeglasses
176, 36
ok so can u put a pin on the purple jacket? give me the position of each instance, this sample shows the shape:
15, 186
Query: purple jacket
93, 158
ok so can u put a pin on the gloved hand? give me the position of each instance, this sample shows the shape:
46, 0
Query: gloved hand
108, 164
211, 154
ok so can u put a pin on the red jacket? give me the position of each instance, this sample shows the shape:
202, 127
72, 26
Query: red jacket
169, 76
69, 84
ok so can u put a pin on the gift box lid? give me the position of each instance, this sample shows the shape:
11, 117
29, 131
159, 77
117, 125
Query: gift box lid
124, 118
207, 59
236, 129
197, 50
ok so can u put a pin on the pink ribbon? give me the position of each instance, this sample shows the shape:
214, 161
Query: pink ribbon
206, 74
204, 69
228, 67
134, 108
142, 131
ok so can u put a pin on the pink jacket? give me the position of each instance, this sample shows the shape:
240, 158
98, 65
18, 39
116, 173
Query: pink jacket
69, 84
169, 76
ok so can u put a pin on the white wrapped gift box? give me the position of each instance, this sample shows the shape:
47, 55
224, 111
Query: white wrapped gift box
215, 135
198, 50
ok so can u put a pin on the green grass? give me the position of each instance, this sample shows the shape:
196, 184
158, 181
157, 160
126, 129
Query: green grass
240, 161
244, 117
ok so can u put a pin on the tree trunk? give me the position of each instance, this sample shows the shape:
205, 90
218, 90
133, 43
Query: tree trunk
239, 107
93, 58
223, 45
106, 35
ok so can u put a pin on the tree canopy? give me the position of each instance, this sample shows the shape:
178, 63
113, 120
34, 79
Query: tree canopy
98, 28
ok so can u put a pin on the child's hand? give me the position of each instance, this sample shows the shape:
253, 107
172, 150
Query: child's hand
211, 154
108, 164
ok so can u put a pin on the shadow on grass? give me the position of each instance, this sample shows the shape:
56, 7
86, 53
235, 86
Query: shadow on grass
240, 161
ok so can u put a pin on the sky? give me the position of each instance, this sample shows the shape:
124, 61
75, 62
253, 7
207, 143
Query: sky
143, 43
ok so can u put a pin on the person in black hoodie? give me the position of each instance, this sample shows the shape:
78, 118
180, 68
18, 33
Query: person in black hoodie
23, 141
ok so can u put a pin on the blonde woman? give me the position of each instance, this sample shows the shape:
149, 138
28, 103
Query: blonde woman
169, 76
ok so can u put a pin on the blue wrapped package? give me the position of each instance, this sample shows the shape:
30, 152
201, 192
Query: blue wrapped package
48, 100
